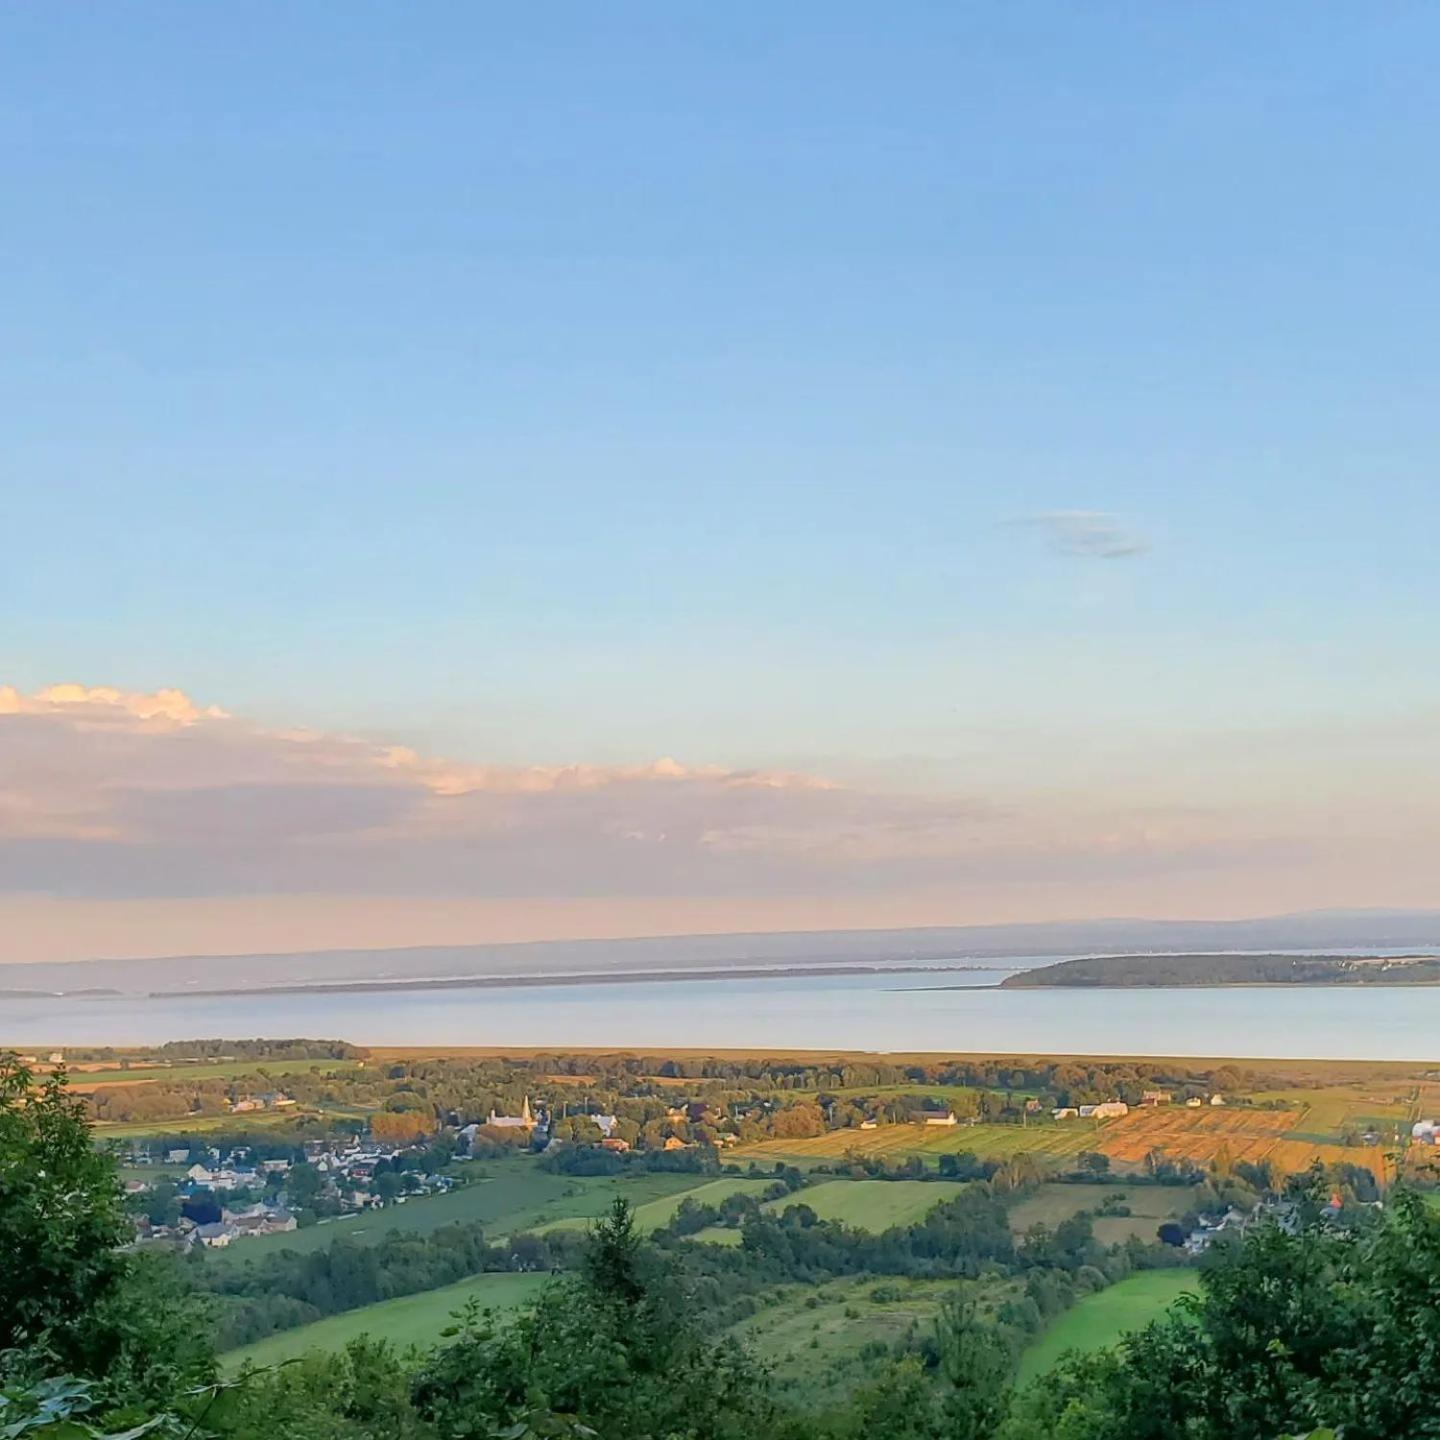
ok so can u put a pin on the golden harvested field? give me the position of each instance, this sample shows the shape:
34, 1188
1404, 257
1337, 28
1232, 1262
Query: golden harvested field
1279, 1136
1194, 1134
895, 1142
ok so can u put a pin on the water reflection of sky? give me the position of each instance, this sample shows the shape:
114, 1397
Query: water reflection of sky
852, 1012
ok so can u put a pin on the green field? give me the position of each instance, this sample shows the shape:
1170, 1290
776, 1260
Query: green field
515, 1194
410, 1320
717, 1235
1101, 1319
872, 1204
812, 1335
209, 1070
201, 1124
1149, 1205
653, 1214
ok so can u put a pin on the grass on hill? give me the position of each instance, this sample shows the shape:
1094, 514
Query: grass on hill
820, 1340
506, 1197
1099, 1320
409, 1320
202, 1124
872, 1204
1149, 1206
653, 1214
83, 1080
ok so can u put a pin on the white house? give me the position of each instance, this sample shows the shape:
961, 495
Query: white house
938, 1117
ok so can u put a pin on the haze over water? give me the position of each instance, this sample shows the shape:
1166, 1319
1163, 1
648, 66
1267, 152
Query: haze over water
848, 1012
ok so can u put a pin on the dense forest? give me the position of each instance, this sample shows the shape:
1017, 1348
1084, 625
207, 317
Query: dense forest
1325, 1317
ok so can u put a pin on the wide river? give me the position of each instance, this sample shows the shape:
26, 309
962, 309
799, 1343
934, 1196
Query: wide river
896, 1012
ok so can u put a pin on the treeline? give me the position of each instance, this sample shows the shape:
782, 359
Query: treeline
299, 1049
653, 1099
288, 1288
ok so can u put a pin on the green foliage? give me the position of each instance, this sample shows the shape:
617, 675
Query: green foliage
614, 1348
1327, 1327
61, 1209
68, 1295
359, 1393
55, 1409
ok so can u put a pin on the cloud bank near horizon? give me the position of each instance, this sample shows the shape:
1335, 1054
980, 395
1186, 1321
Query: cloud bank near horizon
142, 801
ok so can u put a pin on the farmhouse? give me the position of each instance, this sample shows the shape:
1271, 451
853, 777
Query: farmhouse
1065, 1112
938, 1117
1156, 1097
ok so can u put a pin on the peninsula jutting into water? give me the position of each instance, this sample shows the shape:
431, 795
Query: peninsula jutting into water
1167, 971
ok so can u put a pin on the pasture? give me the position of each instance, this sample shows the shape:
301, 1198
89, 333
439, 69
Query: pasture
507, 1196
813, 1336
1149, 1206
1099, 1320
651, 1215
83, 1081
408, 1320
874, 1205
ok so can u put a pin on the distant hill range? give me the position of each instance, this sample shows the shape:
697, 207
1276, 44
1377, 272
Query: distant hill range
1018, 947
1164, 971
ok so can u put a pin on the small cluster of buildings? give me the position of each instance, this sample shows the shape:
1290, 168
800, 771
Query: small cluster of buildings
270, 1100
1149, 1100
1105, 1110
232, 1225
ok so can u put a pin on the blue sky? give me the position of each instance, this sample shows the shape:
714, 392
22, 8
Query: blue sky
635, 381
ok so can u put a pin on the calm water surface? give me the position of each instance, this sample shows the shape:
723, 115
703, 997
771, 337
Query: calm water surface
861, 1012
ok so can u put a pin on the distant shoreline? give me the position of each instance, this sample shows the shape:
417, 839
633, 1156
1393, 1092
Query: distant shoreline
512, 982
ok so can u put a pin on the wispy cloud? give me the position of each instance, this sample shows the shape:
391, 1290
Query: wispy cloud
1088, 534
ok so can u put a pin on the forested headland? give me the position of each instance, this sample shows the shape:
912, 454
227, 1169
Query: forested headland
1143, 971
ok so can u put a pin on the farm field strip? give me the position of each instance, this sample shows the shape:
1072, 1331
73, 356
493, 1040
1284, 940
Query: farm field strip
654, 1214
985, 1141
512, 1196
1193, 1134
873, 1205
407, 1320
1244, 1134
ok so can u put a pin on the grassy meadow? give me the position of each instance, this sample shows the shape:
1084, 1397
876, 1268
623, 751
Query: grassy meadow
872, 1204
653, 1214
409, 1320
1149, 1206
1101, 1319
506, 1197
